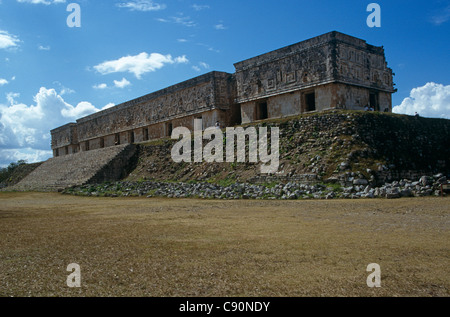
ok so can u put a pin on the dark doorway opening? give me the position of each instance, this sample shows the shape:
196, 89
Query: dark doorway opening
102, 143
310, 102
86, 145
238, 117
169, 129
131, 137
146, 134
261, 111
373, 101
117, 139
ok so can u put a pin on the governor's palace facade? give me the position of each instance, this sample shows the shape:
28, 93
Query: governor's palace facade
331, 71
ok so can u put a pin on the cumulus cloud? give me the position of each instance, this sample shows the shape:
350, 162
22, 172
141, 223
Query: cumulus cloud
3, 82
84, 108
8, 40
109, 105
142, 5
431, 100
139, 64
100, 86
25, 129
122, 84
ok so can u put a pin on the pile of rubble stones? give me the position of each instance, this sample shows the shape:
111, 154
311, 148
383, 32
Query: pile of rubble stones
425, 186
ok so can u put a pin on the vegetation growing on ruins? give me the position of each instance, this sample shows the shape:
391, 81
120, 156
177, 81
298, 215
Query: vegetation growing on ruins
15, 172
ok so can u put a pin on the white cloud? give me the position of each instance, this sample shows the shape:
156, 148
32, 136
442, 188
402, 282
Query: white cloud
122, 84
109, 105
182, 40
46, 2
3, 82
100, 86
66, 91
8, 40
142, 5
43, 48
139, 64
28, 154
204, 65
181, 59
63, 90
220, 27
25, 129
182, 20
201, 65
28, 126
83, 109
431, 100
11, 97
198, 7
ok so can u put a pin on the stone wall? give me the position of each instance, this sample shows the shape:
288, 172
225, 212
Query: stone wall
362, 64
299, 66
210, 97
331, 71
190, 98
330, 146
65, 140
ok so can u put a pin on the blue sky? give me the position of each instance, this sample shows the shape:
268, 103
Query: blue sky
51, 74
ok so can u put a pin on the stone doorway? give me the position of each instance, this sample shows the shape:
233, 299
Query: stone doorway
261, 111
373, 101
310, 101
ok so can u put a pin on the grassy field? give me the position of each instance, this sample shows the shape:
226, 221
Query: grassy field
162, 247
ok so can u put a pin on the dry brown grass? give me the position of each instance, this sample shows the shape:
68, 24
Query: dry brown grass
161, 247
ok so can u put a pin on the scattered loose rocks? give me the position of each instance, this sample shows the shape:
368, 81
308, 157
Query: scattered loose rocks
425, 186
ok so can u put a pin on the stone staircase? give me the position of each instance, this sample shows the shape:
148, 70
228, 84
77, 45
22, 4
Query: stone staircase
95, 166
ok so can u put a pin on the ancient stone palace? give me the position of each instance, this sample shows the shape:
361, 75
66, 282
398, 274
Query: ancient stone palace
331, 71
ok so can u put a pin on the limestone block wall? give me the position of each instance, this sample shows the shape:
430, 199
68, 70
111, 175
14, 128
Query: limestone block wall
204, 93
65, 139
156, 131
299, 66
290, 104
330, 71
333, 70
362, 64
351, 97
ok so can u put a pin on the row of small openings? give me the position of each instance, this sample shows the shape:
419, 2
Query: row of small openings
58, 153
131, 138
309, 101
64, 151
